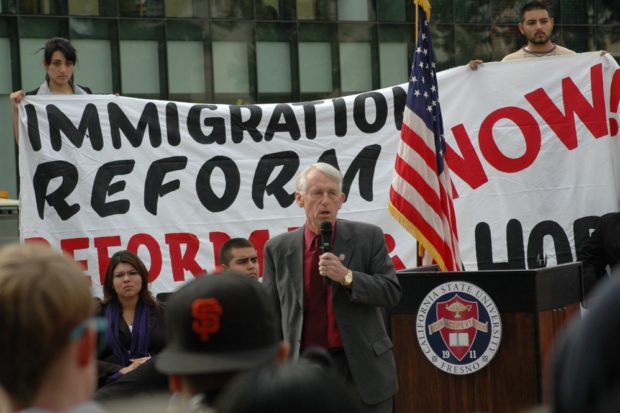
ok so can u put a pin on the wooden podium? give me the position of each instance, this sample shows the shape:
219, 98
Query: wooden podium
533, 304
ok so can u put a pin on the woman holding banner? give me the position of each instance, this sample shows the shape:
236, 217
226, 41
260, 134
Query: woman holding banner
135, 318
59, 59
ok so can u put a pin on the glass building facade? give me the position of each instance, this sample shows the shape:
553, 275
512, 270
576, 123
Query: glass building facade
260, 51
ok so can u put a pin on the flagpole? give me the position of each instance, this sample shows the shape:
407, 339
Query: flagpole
425, 4
421, 192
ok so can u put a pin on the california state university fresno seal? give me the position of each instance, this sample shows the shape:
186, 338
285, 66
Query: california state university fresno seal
458, 327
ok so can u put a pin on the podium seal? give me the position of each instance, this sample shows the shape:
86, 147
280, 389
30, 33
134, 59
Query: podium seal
458, 327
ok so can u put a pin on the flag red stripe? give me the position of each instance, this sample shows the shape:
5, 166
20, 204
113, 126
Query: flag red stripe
418, 144
430, 233
411, 176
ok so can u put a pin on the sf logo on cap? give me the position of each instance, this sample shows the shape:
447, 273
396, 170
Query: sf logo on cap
206, 313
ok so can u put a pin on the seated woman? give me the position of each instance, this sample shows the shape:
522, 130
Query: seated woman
59, 59
135, 319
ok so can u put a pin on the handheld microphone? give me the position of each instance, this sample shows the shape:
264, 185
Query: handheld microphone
326, 243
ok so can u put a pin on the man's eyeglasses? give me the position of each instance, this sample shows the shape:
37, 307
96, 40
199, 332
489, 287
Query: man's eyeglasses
100, 324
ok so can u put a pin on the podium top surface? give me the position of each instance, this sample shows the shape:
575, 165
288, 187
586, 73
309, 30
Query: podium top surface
512, 290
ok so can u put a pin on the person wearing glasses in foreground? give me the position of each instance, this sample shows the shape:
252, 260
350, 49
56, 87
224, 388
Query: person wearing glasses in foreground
49, 340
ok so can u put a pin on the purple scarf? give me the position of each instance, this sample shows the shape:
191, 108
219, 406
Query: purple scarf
139, 333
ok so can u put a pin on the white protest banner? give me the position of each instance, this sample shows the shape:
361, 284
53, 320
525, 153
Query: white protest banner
533, 152
175, 180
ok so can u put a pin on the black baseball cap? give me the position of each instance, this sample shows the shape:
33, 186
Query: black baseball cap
219, 323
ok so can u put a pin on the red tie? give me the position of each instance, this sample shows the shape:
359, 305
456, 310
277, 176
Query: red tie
315, 310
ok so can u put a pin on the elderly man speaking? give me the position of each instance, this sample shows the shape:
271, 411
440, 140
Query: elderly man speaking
329, 280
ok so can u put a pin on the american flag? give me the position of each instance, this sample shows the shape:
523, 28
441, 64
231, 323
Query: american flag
421, 191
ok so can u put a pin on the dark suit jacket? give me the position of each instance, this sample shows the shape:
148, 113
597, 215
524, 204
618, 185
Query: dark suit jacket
108, 364
600, 250
367, 345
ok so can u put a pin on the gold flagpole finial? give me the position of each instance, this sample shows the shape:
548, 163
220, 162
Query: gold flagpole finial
426, 6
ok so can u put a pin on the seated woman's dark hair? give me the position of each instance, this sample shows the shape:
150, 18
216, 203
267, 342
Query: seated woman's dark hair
128, 257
